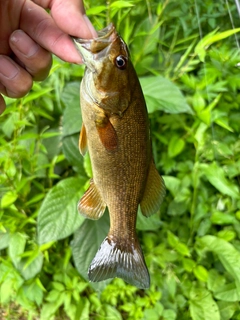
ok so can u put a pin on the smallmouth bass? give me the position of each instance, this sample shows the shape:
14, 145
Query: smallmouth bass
115, 130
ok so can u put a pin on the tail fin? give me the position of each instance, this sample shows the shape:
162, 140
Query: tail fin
120, 260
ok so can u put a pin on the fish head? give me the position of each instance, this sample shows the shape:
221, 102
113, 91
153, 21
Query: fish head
107, 79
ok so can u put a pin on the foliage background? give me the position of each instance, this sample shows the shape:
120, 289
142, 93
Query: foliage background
187, 57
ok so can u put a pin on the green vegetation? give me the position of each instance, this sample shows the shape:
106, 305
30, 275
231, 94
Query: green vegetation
187, 58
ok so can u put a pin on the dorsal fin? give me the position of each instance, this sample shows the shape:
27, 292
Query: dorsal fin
83, 141
107, 133
154, 192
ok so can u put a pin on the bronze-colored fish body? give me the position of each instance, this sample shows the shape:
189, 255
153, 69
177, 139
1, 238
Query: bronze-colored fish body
116, 132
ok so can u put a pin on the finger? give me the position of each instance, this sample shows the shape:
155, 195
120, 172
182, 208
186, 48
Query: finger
2, 105
9, 18
36, 60
39, 25
70, 17
15, 81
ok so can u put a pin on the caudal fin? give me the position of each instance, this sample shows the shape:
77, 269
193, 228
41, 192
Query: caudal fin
120, 260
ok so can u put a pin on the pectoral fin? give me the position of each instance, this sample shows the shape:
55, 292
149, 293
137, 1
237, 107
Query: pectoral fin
107, 133
154, 192
91, 205
83, 141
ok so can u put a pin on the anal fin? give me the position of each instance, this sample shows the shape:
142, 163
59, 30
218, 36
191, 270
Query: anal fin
83, 141
91, 204
154, 192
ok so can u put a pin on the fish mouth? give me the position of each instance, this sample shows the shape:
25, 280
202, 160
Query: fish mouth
96, 46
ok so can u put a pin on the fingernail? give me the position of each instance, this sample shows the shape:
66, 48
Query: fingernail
24, 43
90, 26
7, 67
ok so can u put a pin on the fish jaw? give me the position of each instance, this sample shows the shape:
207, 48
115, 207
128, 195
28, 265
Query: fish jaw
94, 50
104, 81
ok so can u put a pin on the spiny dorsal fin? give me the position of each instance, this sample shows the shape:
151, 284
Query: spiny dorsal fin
83, 140
107, 133
154, 192
120, 259
91, 204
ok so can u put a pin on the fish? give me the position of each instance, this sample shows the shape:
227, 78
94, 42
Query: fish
116, 133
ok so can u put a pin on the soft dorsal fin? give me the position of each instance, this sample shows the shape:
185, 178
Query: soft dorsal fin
83, 141
91, 204
154, 192
107, 133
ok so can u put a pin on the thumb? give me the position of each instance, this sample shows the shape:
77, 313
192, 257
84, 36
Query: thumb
70, 17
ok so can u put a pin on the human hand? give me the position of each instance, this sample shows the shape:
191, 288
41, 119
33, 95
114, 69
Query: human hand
28, 36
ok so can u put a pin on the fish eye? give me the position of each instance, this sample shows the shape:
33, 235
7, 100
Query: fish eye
121, 62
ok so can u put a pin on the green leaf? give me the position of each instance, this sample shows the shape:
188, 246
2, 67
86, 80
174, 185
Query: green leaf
161, 94
150, 223
201, 273
58, 216
72, 119
176, 146
227, 309
4, 240
202, 305
222, 218
8, 198
216, 176
86, 242
72, 154
227, 254
16, 247
228, 292
121, 4
29, 271
215, 280
211, 38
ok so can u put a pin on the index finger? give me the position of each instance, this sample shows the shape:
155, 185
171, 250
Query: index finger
70, 17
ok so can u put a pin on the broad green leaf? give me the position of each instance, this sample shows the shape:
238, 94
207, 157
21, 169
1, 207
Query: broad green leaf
201, 273
4, 240
227, 254
72, 119
58, 216
216, 177
72, 153
169, 314
32, 269
112, 313
153, 313
16, 247
228, 292
202, 305
215, 280
227, 309
161, 94
8, 198
222, 218
150, 223
86, 242
172, 184
176, 146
